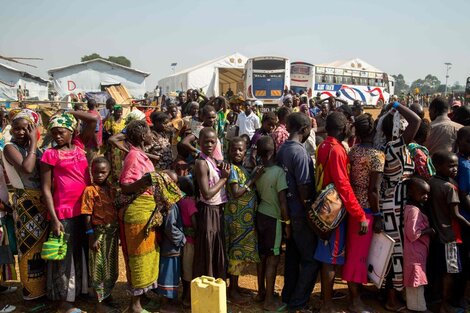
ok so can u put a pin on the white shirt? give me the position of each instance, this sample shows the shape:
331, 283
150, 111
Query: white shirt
248, 124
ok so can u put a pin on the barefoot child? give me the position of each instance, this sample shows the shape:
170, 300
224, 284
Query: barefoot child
272, 212
444, 200
188, 210
102, 230
416, 246
209, 249
242, 244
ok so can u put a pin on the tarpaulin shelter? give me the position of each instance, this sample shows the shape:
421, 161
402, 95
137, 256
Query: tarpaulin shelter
214, 76
11, 78
97, 75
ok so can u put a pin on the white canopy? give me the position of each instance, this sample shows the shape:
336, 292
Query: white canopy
214, 76
352, 64
11, 78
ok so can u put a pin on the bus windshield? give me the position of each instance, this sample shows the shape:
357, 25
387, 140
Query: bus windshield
269, 65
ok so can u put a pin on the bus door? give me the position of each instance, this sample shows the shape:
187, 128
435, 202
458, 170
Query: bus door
268, 85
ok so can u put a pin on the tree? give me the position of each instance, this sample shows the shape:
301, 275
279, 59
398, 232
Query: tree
430, 84
120, 60
400, 84
91, 57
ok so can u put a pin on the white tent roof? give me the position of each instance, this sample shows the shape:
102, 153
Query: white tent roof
212, 76
25, 74
98, 60
352, 64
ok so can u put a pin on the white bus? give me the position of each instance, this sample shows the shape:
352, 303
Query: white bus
371, 87
266, 78
301, 78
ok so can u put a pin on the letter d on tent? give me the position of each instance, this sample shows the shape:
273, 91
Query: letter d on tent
71, 85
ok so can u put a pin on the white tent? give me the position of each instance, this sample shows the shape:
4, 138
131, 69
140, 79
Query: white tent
94, 75
353, 64
11, 79
214, 76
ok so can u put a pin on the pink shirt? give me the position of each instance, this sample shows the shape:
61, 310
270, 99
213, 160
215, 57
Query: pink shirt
136, 164
70, 178
188, 208
415, 247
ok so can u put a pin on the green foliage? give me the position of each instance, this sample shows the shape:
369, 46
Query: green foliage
430, 84
122, 60
400, 84
91, 57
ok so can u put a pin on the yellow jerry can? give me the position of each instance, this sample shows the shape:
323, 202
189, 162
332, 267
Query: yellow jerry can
208, 295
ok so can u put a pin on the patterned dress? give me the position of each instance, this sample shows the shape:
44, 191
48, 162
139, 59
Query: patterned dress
114, 155
240, 224
398, 168
161, 147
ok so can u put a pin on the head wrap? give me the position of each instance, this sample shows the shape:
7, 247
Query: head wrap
238, 99
64, 120
117, 107
135, 115
27, 114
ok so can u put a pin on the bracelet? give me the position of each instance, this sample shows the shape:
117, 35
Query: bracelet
34, 152
395, 104
90, 231
287, 222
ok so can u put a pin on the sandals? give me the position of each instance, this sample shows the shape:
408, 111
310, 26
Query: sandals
8, 308
401, 308
9, 289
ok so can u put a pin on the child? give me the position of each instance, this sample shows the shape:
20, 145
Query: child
444, 203
209, 248
272, 211
420, 154
188, 210
267, 127
177, 125
172, 241
181, 165
416, 245
102, 230
239, 218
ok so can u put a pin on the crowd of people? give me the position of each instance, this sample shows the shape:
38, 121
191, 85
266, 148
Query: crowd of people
198, 186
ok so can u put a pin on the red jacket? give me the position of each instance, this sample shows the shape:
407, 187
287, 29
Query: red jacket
336, 171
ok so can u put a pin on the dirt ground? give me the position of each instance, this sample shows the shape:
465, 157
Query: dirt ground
248, 281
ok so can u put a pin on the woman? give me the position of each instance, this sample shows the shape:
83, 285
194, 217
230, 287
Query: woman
64, 176
139, 245
367, 165
398, 168
112, 126
21, 160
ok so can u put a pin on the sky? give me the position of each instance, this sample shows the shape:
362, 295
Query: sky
413, 38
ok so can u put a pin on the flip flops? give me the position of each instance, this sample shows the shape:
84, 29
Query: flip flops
9, 289
8, 308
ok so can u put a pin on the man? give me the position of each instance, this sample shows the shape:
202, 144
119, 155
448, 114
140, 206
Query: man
443, 131
248, 122
321, 122
93, 147
301, 269
229, 93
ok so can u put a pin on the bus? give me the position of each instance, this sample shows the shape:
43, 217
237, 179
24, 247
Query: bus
371, 87
467, 91
301, 78
266, 78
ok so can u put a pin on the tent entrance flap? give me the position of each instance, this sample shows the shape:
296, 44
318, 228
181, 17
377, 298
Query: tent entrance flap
230, 78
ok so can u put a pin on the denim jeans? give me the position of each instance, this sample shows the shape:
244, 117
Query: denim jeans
301, 269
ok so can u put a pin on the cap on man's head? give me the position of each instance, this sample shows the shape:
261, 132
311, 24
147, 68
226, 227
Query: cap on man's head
258, 103
456, 103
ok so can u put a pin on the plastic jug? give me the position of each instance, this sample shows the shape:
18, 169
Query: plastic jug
208, 295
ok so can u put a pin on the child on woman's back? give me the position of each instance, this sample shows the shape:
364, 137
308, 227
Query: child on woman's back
272, 211
102, 230
416, 246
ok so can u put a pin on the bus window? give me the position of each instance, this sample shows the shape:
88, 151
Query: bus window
363, 81
269, 64
373, 82
354, 80
329, 79
347, 80
337, 79
319, 78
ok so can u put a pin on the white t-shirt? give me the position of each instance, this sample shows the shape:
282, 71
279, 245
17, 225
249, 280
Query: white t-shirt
248, 124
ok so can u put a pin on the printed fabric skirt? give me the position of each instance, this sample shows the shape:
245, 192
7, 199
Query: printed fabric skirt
31, 232
141, 253
7, 260
209, 248
68, 278
104, 264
